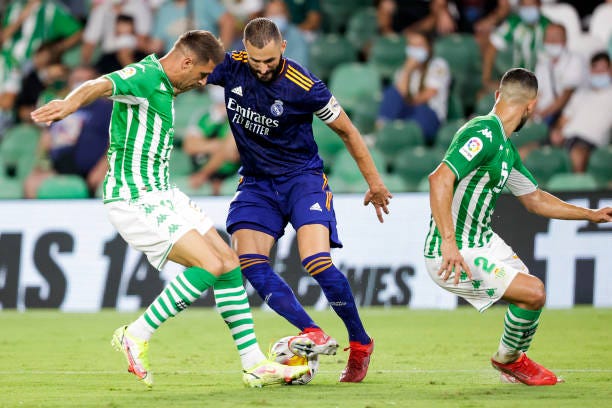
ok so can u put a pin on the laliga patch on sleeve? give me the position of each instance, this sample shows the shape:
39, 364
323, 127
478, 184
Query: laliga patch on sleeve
471, 148
127, 72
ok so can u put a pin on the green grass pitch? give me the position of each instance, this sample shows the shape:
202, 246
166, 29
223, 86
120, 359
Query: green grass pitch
422, 359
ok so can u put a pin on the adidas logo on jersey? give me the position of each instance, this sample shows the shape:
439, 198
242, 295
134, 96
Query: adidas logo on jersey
315, 207
237, 90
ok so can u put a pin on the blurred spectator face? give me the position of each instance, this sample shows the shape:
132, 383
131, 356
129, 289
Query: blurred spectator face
277, 11
600, 74
80, 75
529, 11
554, 40
54, 76
125, 31
418, 47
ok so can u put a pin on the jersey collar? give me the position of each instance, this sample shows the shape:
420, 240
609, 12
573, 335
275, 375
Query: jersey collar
501, 126
164, 75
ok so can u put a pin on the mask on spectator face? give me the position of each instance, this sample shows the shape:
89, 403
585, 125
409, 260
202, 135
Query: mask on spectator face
599, 81
553, 50
418, 53
529, 14
281, 22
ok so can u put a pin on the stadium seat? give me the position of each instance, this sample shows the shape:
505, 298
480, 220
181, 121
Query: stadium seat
180, 163
229, 185
485, 104
456, 110
461, 52
18, 151
10, 188
387, 54
398, 135
572, 182
336, 13
185, 106
344, 165
362, 28
329, 51
328, 141
547, 161
601, 22
600, 165
423, 185
353, 81
415, 163
567, 16
63, 186
445, 134
339, 185
394, 183
364, 114
532, 132
182, 182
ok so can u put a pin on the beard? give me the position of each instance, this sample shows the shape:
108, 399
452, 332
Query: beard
521, 123
270, 75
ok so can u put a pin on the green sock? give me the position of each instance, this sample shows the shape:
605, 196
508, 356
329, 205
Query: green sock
182, 291
519, 328
233, 306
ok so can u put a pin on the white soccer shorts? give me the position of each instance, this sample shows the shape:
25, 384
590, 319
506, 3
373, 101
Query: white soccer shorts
493, 267
154, 222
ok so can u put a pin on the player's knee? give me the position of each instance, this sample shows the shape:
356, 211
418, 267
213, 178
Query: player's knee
537, 297
229, 259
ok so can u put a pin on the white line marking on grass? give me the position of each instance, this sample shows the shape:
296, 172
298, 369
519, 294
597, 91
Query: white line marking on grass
229, 372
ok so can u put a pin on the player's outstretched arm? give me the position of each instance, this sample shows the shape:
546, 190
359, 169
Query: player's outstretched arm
86, 93
547, 205
378, 194
441, 183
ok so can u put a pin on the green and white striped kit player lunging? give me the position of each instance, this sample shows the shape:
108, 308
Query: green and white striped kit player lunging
462, 253
156, 218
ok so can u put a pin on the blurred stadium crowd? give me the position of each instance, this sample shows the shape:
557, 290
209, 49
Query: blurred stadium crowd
408, 72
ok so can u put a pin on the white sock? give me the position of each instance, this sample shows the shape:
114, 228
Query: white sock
141, 329
506, 355
251, 356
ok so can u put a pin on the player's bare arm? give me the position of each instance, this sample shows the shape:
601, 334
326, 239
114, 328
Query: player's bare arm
58, 109
378, 194
441, 183
547, 205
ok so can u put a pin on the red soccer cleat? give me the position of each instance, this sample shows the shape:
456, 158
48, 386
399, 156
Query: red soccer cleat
358, 362
312, 342
527, 371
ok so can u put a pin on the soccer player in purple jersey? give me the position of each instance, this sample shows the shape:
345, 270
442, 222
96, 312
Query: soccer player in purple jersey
270, 101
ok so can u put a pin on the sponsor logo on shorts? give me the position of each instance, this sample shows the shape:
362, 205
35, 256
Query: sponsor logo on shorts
316, 207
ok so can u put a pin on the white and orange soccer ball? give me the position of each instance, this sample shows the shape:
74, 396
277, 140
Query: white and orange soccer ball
281, 353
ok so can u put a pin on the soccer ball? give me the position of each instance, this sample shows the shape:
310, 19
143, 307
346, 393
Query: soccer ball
281, 353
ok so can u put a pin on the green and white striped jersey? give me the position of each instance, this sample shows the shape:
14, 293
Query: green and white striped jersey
48, 21
484, 160
141, 131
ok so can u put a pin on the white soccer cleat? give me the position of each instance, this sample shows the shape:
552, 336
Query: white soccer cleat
270, 373
313, 343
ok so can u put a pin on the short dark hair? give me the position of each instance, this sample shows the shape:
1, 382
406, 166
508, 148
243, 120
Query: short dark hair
522, 77
260, 31
203, 44
602, 55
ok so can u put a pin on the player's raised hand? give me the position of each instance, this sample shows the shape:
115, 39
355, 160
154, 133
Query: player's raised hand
602, 215
380, 198
53, 111
452, 261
